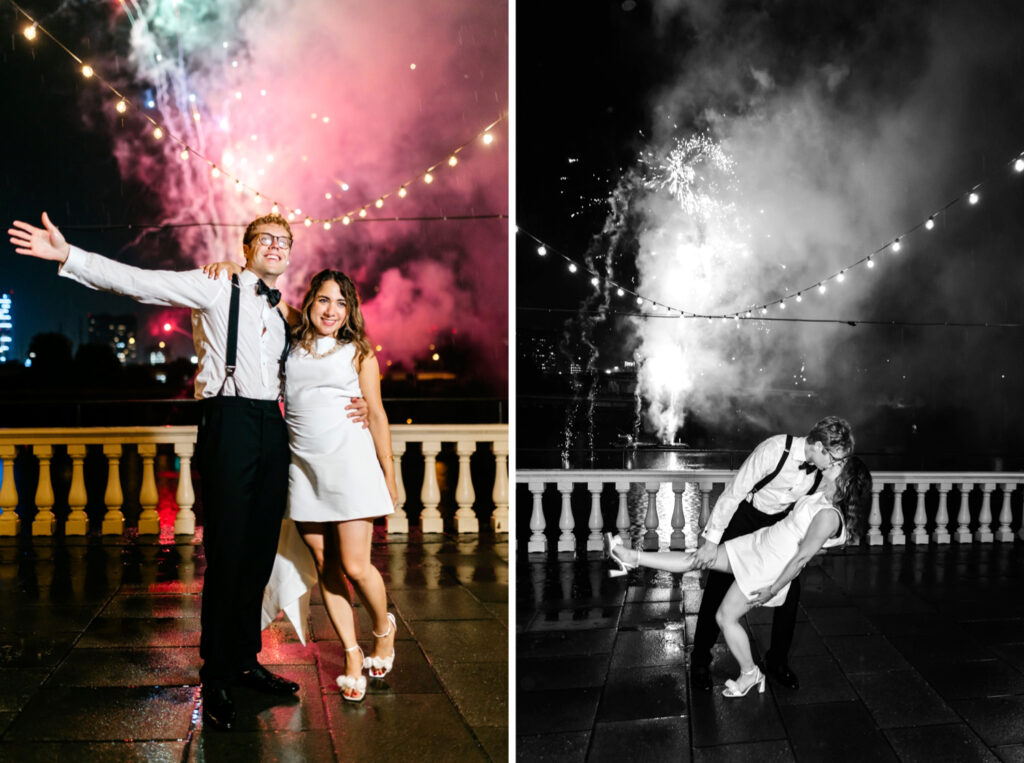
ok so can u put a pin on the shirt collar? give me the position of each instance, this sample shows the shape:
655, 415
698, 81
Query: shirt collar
247, 278
797, 451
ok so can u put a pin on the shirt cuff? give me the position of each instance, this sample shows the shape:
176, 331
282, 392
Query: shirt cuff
715, 536
73, 263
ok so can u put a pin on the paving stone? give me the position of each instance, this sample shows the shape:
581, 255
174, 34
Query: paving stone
566, 747
108, 752
543, 712
650, 739
637, 693
821, 680
18, 684
973, 679
442, 604
153, 605
248, 746
462, 640
401, 727
751, 752
717, 720
865, 654
835, 731
997, 720
479, 690
105, 713
561, 643
931, 743
39, 651
1013, 753
140, 631
902, 698
495, 741
128, 667
648, 648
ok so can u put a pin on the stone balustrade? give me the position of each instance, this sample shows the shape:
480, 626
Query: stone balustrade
44, 444
906, 507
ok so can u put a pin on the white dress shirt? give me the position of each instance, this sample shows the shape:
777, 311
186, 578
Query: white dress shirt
789, 484
261, 331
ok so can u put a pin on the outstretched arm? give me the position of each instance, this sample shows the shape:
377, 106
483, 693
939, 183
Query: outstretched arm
823, 526
154, 287
46, 243
369, 383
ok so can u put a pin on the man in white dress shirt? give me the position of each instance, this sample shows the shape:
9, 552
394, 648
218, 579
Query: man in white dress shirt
780, 470
242, 451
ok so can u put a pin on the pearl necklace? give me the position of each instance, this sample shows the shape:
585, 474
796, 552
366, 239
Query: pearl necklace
320, 355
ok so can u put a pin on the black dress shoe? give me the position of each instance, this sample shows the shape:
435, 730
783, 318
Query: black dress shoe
261, 679
218, 709
700, 677
782, 673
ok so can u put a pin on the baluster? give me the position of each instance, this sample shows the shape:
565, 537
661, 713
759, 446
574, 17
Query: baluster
10, 523
595, 541
705, 503
44, 522
538, 540
78, 522
984, 532
678, 539
896, 535
398, 522
963, 516
622, 516
874, 536
149, 520
651, 520
499, 519
430, 517
920, 516
941, 532
566, 522
185, 496
465, 517
1004, 534
113, 520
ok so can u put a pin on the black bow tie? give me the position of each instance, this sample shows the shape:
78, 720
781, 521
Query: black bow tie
273, 295
808, 467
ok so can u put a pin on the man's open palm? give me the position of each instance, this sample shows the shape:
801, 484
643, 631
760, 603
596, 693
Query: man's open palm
46, 243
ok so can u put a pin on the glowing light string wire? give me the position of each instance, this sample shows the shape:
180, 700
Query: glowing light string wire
893, 246
355, 214
211, 224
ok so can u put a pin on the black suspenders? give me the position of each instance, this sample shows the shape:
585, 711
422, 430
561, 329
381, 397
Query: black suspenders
778, 468
231, 353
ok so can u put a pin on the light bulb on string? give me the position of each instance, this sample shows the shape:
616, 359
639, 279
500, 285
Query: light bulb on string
214, 171
238, 186
184, 154
593, 281
572, 267
307, 222
346, 220
929, 223
748, 313
327, 195
488, 138
782, 304
327, 225
452, 161
29, 32
799, 297
620, 292
973, 198
158, 133
291, 216
640, 301
379, 203
841, 276
122, 106
275, 209
896, 246
1018, 165
542, 250
86, 71
764, 309
871, 262
257, 197
821, 288
362, 212
402, 192
428, 178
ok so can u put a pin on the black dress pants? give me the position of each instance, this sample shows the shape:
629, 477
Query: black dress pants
746, 520
243, 459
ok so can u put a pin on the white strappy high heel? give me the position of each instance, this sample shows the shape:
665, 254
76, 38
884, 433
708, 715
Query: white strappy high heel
613, 542
733, 689
379, 667
348, 683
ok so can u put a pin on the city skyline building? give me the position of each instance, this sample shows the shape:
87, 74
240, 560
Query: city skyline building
6, 327
117, 332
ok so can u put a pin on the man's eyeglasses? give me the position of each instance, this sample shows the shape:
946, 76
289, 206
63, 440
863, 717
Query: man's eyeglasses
283, 242
833, 459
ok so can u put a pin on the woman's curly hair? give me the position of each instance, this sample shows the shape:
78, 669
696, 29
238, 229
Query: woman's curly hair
853, 496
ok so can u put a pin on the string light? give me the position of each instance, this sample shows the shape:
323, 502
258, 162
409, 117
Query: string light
379, 203
640, 300
215, 172
275, 209
29, 32
799, 298
896, 246
327, 225
158, 133
488, 138
620, 292
543, 250
346, 220
428, 178
87, 71
841, 276
307, 222
1018, 164
870, 262
184, 154
452, 161
121, 107
402, 192
572, 267
973, 198
929, 223
821, 288
362, 212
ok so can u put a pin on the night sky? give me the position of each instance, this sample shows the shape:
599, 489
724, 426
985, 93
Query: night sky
847, 124
393, 91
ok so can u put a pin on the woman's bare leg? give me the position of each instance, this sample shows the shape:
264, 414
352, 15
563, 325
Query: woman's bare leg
733, 607
334, 589
354, 539
670, 561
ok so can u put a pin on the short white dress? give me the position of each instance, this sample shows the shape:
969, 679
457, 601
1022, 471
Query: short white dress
759, 557
334, 474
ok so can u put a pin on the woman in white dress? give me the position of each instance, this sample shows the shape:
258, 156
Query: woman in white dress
764, 562
341, 475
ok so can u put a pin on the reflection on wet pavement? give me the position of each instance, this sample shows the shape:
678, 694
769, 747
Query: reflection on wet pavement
99, 658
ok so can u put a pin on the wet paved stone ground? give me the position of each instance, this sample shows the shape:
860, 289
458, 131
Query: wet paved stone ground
902, 654
99, 658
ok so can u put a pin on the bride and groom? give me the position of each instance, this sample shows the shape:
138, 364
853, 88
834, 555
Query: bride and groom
792, 497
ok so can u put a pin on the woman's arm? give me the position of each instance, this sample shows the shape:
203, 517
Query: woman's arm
369, 383
823, 526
